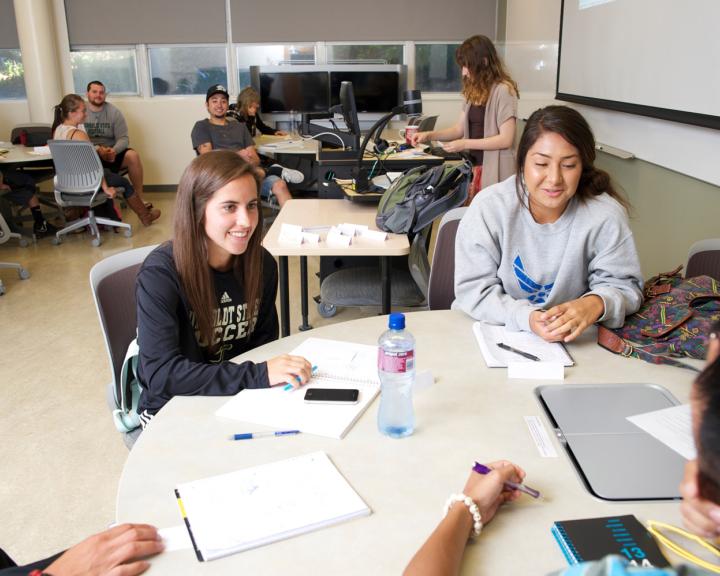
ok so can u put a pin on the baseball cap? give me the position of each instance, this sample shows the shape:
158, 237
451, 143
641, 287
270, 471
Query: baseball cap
216, 89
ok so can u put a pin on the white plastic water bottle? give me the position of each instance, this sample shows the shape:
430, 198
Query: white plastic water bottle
396, 369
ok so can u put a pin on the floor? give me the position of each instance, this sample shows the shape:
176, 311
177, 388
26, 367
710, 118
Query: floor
61, 456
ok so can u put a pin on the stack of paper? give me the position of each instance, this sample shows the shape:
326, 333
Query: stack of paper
256, 506
489, 336
340, 365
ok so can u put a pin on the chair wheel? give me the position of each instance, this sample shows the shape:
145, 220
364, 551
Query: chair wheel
23, 243
326, 310
56, 241
127, 233
95, 242
24, 274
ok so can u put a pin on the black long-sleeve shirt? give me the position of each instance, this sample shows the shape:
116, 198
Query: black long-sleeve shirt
172, 360
253, 123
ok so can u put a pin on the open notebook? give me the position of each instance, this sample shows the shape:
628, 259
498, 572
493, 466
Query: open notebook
340, 365
488, 336
256, 506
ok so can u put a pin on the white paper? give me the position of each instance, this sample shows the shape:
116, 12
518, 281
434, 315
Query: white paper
41, 150
672, 426
530, 370
310, 238
337, 239
540, 436
374, 235
488, 335
352, 229
175, 538
339, 365
263, 504
291, 234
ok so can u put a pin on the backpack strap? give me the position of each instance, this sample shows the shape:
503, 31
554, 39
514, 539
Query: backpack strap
611, 341
127, 396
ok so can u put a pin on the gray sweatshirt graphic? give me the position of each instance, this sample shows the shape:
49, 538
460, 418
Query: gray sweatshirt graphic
107, 127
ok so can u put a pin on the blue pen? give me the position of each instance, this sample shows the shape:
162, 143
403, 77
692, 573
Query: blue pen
482, 469
289, 387
251, 435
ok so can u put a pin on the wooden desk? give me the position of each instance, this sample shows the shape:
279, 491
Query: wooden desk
309, 213
470, 413
272, 145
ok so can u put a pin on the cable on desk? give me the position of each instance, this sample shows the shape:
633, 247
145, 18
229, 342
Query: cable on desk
323, 134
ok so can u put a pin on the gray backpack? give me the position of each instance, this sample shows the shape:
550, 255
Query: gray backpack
421, 194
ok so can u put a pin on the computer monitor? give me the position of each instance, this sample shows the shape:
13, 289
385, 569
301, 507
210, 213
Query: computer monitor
293, 91
349, 110
375, 91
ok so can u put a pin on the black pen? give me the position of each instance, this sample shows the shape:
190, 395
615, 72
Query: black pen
516, 351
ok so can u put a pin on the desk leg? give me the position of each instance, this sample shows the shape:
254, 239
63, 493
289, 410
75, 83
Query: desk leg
304, 294
284, 298
385, 282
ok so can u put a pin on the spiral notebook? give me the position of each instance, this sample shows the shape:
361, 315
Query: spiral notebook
594, 538
255, 506
339, 365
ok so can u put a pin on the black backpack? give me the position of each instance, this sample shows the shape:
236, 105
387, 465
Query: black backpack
421, 194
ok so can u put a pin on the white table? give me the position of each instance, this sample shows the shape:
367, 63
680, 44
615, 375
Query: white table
470, 413
19, 156
326, 212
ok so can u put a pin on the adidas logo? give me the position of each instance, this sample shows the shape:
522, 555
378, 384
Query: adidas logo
225, 298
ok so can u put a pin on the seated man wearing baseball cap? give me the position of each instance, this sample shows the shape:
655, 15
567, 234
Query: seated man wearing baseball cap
221, 133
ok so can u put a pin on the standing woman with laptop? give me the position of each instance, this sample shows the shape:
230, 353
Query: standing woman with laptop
209, 294
486, 127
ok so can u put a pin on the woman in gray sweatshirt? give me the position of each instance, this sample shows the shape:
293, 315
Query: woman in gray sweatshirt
549, 250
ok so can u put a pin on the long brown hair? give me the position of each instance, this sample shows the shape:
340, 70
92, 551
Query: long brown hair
485, 68
68, 104
202, 178
707, 394
572, 126
246, 98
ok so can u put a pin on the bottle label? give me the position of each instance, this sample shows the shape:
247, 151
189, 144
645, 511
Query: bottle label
396, 361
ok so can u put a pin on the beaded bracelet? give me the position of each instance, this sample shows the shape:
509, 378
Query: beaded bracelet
472, 508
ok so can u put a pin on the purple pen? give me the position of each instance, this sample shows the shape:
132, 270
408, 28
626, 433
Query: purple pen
482, 469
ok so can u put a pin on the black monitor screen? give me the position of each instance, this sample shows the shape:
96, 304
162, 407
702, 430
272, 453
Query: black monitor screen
294, 91
374, 91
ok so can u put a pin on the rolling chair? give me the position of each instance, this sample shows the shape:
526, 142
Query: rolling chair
410, 284
5, 235
704, 258
112, 282
441, 285
78, 182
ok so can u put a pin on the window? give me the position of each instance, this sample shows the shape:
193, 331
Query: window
365, 53
271, 55
116, 68
12, 75
435, 68
186, 69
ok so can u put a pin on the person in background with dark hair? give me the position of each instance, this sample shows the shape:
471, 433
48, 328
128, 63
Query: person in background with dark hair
209, 294
21, 189
486, 127
549, 250
106, 127
442, 552
248, 104
68, 125
222, 133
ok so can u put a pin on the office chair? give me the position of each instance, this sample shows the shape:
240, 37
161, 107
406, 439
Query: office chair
5, 235
360, 286
112, 282
704, 258
78, 182
441, 285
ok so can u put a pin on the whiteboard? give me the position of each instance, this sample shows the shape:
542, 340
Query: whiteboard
658, 57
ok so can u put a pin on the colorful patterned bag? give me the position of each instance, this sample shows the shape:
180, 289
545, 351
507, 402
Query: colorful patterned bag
674, 321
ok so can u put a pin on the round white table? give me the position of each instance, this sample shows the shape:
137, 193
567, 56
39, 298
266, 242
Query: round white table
470, 413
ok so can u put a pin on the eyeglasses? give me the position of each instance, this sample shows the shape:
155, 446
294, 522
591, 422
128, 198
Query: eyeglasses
655, 527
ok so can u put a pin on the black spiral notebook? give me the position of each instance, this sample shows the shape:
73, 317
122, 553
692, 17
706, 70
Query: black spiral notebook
594, 538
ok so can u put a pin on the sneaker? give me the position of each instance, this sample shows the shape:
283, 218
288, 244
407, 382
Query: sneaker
288, 174
44, 229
